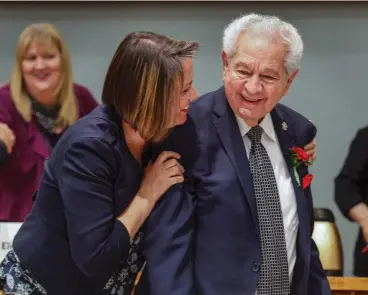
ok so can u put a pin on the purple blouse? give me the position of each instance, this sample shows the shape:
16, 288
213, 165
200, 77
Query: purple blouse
20, 175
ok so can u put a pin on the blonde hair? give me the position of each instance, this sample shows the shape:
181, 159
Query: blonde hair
64, 93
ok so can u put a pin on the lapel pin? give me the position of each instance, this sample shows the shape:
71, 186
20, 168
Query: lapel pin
284, 126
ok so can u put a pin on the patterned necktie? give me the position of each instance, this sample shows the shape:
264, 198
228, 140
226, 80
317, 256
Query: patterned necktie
274, 275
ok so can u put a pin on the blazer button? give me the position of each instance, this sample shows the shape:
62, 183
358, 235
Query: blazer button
256, 267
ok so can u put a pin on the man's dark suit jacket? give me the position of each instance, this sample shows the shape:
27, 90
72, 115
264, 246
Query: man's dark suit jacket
351, 188
203, 236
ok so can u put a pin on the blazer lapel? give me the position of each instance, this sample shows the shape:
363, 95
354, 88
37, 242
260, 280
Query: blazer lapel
286, 141
230, 137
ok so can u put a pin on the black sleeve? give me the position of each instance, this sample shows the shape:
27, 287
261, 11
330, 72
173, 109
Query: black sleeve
3, 153
348, 182
98, 242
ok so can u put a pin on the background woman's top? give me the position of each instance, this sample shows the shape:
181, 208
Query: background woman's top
21, 172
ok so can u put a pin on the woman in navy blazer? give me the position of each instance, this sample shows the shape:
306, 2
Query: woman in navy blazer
83, 233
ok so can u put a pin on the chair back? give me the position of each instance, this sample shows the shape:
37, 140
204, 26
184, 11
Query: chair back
328, 241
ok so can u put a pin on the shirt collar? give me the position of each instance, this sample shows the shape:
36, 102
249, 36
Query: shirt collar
266, 124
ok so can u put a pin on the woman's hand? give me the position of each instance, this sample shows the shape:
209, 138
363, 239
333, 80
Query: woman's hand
158, 177
161, 175
310, 148
7, 136
359, 213
364, 226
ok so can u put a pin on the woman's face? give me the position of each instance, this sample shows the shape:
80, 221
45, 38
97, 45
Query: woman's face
41, 68
186, 95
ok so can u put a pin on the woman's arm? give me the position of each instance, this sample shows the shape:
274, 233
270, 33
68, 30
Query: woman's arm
98, 241
158, 177
7, 141
348, 195
7, 138
136, 214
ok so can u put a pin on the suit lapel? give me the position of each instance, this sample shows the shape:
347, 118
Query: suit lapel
286, 141
230, 137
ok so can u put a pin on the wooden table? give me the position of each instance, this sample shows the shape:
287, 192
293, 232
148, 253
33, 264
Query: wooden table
348, 285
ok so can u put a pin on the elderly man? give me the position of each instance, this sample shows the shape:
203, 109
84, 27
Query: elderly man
242, 221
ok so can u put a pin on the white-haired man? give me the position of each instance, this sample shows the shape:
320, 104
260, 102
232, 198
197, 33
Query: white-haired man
241, 224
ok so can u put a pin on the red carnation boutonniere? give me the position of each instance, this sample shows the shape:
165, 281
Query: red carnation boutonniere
307, 180
300, 157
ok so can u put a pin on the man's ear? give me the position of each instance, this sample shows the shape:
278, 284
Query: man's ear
225, 63
289, 81
224, 58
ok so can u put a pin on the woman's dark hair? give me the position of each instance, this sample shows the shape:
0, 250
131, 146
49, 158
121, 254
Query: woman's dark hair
143, 78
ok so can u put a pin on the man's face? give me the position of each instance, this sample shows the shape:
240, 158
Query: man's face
255, 77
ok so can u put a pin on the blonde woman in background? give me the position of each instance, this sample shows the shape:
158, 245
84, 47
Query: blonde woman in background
39, 103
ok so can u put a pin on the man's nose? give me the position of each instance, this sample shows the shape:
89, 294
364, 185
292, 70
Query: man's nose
253, 85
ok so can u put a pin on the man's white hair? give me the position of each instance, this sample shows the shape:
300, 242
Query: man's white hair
270, 26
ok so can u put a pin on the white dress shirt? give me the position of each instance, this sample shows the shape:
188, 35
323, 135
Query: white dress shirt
285, 187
